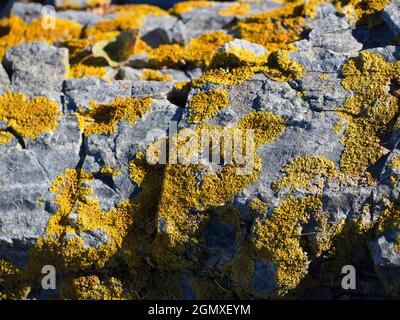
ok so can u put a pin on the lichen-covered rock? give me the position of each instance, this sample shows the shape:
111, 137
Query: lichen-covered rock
105, 175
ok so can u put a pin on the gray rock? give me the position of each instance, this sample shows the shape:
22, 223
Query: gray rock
27, 11
58, 150
108, 198
37, 68
386, 260
85, 18
154, 89
79, 92
23, 196
157, 30
117, 150
391, 15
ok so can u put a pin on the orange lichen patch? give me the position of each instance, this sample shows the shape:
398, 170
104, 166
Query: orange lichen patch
277, 240
12, 283
12, 32
369, 112
64, 29
103, 118
29, 118
363, 11
186, 6
276, 28
205, 105
82, 70
199, 51
302, 172
155, 75
236, 9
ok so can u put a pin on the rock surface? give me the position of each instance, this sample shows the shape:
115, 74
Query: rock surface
317, 90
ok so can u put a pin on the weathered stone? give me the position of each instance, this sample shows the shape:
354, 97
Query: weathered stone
391, 15
79, 92
37, 69
27, 11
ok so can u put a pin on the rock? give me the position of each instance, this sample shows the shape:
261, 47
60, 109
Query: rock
118, 150
79, 92
107, 197
27, 11
386, 260
85, 18
157, 30
391, 15
154, 89
37, 69
58, 150
23, 214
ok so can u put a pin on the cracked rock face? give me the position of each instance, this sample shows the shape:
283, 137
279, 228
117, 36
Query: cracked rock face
85, 112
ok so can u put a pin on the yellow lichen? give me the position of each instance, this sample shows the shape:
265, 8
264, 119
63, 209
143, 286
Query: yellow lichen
258, 205
369, 112
82, 70
362, 11
74, 197
12, 32
155, 75
277, 240
199, 51
205, 105
302, 172
92, 288
276, 65
103, 118
63, 30
5, 137
12, 283
113, 172
186, 6
29, 118
236, 9
181, 193
276, 28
